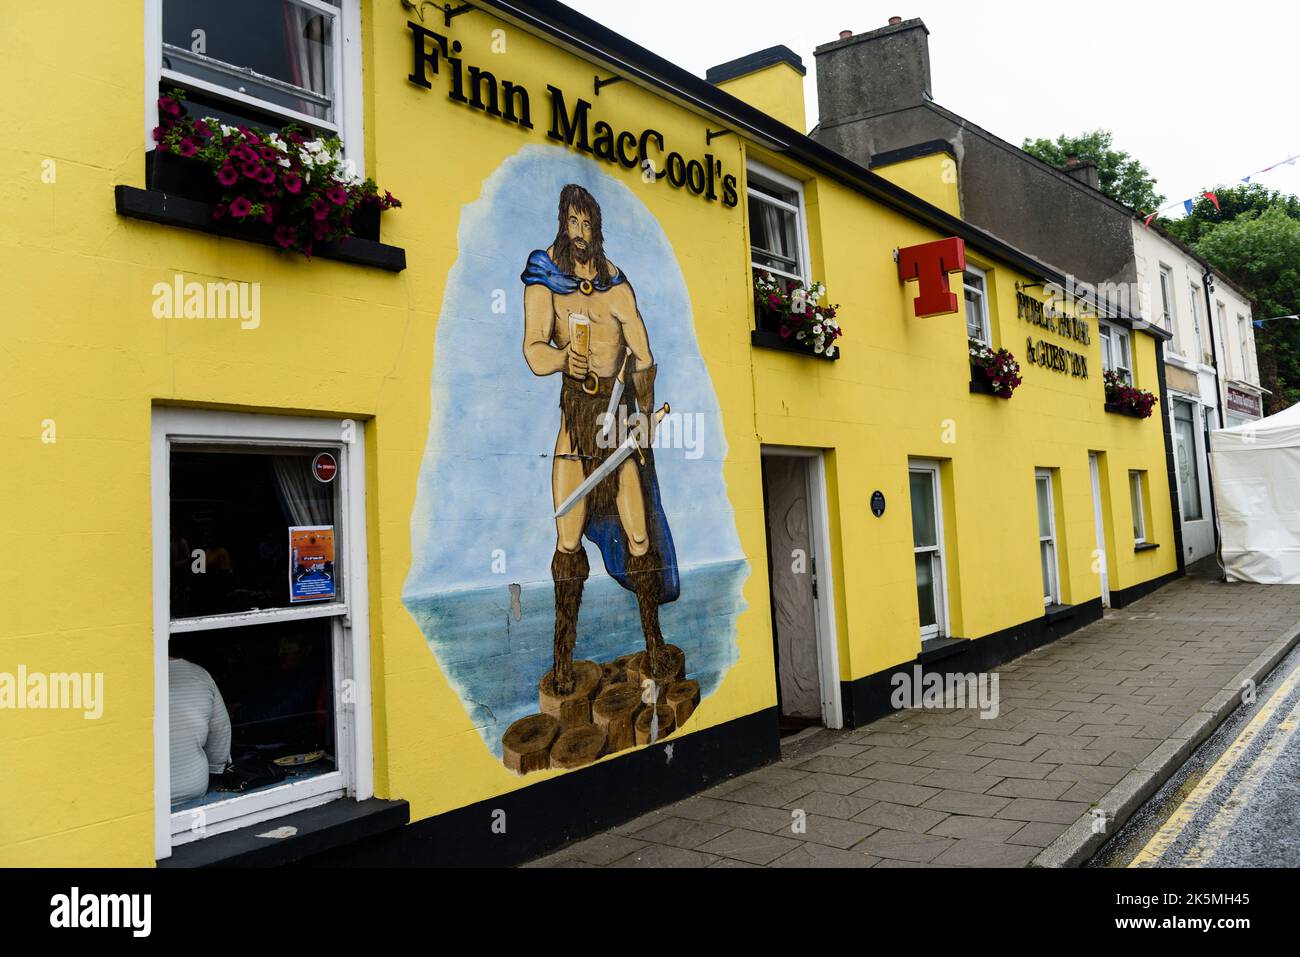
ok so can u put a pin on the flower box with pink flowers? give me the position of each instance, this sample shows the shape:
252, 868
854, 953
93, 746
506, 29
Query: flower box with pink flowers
794, 318
285, 187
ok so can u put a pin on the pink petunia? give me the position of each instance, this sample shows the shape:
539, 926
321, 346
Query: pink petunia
320, 208
293, 183
286, 236
337, 195
240, 207
266, 175
187, 147
250, 168
227, 176
169, 105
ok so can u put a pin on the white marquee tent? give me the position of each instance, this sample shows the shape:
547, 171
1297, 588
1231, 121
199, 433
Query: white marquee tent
1256, 471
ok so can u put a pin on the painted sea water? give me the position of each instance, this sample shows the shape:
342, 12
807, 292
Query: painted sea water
496, 662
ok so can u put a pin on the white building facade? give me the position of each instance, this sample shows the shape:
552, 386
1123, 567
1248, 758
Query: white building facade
1211, 373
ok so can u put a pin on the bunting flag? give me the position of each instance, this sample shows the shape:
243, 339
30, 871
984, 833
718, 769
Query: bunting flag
1189, 204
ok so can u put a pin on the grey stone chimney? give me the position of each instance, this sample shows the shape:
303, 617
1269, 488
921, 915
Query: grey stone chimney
872, 73
1085, 171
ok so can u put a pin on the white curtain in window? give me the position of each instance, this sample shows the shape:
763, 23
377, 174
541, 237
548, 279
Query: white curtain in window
306, 33
307, 501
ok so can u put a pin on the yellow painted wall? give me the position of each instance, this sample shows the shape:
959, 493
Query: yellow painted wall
777, 90
901, 391
82, 348
932, 177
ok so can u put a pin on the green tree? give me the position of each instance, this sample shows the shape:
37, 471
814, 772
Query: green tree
1261, 251
1122, 177
1234, 203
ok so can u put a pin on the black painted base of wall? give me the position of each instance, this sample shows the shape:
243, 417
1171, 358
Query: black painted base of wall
553, 813
1126, 597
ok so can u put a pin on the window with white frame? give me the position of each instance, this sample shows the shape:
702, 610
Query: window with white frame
778, 229
1198, 345
1169, 314
1137, 502
978, 326
1116, 354
263, 63
928, 549
1047, 537
261, 643
1247, 338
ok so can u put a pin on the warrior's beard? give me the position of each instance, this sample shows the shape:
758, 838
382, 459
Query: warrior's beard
569, 254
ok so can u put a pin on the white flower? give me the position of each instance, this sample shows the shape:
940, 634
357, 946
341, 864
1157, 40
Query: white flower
228, 130
284, 161
817, 329
830, 352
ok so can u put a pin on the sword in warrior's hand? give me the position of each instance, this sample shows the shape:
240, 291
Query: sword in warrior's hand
607, 467
615, 395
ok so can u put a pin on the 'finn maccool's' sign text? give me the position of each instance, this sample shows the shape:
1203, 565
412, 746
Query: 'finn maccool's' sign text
481, 90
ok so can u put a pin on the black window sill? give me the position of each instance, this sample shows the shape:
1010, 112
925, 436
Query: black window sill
984, 387
320, 829
171, 210
1122, 410
1146, 547
1058, 613
980, 385
936, 649
772, 340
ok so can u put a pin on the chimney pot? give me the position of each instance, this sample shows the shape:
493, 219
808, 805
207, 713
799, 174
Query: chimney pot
845, 34
1072, 160
895, 21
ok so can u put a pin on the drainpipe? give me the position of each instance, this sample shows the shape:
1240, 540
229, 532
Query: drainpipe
1207, 282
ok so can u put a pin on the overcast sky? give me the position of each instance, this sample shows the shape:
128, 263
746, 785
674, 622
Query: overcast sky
1202, 93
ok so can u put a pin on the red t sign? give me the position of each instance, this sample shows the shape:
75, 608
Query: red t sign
929, 264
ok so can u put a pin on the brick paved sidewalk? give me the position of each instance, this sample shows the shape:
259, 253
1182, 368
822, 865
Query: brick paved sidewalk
1101, 717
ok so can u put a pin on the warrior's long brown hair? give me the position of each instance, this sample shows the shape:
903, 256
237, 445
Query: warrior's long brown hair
575, 197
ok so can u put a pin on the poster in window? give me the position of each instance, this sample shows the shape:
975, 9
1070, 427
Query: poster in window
311, 564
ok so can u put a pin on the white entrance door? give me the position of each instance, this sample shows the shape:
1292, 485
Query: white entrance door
1094, 467
794, 495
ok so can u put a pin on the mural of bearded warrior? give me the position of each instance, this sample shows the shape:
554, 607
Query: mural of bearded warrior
581, 321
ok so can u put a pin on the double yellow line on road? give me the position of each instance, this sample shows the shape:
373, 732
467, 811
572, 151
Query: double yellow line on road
1173, 828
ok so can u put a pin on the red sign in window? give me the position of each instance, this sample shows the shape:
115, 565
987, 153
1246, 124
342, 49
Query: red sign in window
324, 467
929, 264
